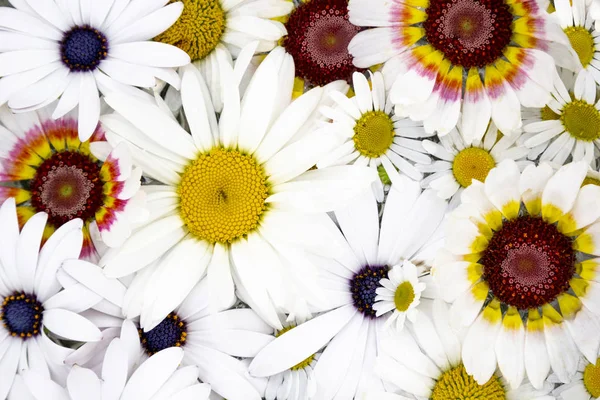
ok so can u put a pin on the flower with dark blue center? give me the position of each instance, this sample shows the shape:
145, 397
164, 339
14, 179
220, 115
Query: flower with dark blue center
22, 315
83, 48
171, 332
363, 286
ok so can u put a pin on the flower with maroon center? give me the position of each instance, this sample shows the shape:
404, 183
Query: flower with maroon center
517, 268
47, 168
319, 32
480, 59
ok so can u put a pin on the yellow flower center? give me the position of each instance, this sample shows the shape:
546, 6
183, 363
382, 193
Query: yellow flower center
404, 296
472, 163
583, 43
373, 134
199, 28
591, 379
590, 181
548, 114
456, 384
302, 364
581, 120
223, 195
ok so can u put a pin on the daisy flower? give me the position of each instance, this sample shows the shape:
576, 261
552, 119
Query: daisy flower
159, 377
32, 299
585, 385
210, 341
353, 327
516, 265
318, 34
46, 167
237, 201
400, 293
437, 372
72, 50
444, 58
576, 20
372, 134
568, 125
458, 163
212, 31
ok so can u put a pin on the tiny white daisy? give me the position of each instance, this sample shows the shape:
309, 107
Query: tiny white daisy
73, 49
400, 293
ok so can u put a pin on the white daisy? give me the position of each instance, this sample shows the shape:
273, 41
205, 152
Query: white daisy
212, 31
436, 371
576, 20
32, 299
458, 163
211, 341
569, 125
123, 377
399, 293
513, 257
73, 49
372, 135
585, 384
352, 329
237, 201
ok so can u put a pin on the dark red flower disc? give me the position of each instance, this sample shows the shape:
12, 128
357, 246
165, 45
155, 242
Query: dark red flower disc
528, 263
319, 32
470, 33
67, 186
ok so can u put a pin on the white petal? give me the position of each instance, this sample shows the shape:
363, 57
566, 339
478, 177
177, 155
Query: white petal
70, 325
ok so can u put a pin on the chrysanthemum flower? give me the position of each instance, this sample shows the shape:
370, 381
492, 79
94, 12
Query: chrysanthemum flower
353, 328
516, 266
237, 201
568, 125
46, 167
212, 31
435, 371
458, 163
577, 22
72, 50
585, 385
318, 34
124, 377
372, 134
32, 299
446, 57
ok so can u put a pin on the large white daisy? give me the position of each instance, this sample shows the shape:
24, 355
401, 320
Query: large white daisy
437, 372
458, 162
123, 377
32, 299
353, 328
212, 31
516, 266
569, 125
73, 49
237, 201
372, 134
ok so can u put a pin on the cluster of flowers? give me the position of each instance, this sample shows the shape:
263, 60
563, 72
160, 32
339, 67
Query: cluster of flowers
283, 200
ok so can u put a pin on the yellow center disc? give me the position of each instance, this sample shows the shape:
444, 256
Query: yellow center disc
590, 181
583, 43
199, 28
404, 296
548, 114
456, 384
472, 163
591, 379
303, 364
223, 195
373, 134
581, 120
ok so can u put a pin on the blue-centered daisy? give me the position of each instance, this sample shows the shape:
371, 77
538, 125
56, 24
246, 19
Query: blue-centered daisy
211, 32
569, 125
73, 49
372, 134
237, 201
351, 331
518, 267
